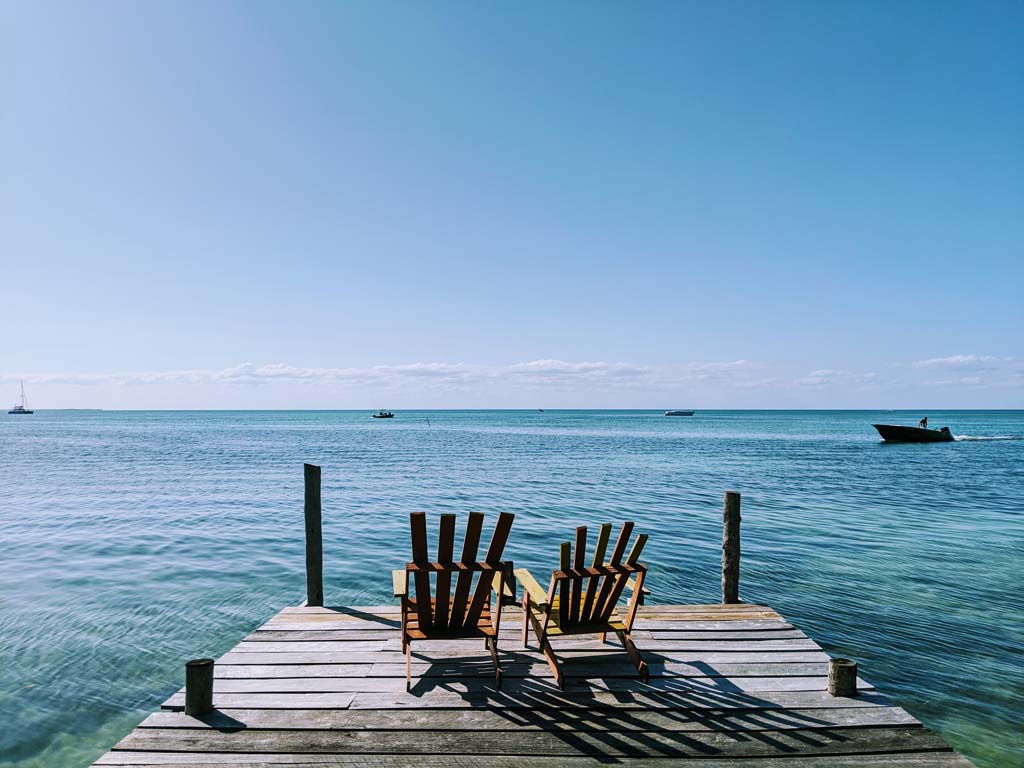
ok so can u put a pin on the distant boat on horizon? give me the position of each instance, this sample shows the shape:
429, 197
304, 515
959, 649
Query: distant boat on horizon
22, 407
679, 413
383, 415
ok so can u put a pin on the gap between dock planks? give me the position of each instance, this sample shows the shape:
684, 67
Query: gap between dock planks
732, 685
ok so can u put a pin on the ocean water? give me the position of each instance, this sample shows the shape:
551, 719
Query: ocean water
132, 541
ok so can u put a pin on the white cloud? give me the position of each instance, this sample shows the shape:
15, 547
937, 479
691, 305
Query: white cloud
817, 378
380, 374
962, 361
547, 373
828, 376
703, 371
546, 368
973, 371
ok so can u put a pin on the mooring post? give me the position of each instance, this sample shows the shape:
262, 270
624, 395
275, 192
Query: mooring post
842, 677
198, 687
731, 548
314, 538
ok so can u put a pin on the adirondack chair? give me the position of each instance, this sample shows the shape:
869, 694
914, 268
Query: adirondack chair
566, 609
466, 613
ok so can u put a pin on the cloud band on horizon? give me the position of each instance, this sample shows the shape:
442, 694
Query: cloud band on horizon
971, 370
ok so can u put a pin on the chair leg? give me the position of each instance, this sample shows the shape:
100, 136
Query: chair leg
526, 611
542, 642
603, 636
549, 654
634, 656
408, 666
492, 644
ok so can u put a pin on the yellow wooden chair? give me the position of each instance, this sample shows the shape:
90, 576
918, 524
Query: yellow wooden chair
438, 613
566, 609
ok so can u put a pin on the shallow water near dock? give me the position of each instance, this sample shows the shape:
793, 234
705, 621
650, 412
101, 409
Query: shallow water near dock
133, 541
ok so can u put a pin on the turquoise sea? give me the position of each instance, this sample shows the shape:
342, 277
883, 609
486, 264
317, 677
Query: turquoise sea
132, 541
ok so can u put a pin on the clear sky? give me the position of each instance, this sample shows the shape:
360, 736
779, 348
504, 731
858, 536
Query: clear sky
593, 204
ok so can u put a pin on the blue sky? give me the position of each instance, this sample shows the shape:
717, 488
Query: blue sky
479, 204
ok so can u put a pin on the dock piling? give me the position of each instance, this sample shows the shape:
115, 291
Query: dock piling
731, 548
314, 538
842, 677
198, 687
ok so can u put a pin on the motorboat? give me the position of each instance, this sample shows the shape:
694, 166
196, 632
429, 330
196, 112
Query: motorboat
383, 415
895, 433
679, 413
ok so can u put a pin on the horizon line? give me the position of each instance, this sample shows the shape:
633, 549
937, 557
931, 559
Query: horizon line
526, 410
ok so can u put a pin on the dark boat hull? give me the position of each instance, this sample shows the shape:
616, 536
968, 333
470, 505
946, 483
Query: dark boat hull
894, 433
679, 413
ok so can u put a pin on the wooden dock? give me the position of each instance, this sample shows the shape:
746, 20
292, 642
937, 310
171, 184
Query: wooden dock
731, 685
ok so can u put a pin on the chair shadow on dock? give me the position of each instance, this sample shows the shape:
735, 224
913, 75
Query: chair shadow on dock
356, 613
617, 715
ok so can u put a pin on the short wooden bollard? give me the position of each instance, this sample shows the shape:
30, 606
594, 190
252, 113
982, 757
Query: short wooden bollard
314, 538
199, 686
842, 677
731, 548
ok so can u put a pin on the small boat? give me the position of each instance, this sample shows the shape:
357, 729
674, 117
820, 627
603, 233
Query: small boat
383, 415
22, 407
894, 433
679, 413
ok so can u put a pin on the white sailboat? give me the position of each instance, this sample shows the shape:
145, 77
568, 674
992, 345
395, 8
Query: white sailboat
22, 407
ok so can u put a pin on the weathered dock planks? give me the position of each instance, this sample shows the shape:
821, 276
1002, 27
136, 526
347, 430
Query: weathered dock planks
731, 685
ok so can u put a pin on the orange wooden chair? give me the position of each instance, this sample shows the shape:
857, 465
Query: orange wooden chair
467, 613
566, 609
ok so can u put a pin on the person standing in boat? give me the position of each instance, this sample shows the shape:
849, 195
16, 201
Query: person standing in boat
923, 423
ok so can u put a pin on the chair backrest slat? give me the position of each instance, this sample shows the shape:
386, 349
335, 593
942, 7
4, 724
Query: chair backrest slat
418, 526
620, 543
500, 538
445, 546
608, 582
594, 581
486, 579
470, 546
580, 552
620, 581
564, 558
638, 547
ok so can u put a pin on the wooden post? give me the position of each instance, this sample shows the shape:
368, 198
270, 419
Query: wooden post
314, 538
198, 687
731, 548
842, 677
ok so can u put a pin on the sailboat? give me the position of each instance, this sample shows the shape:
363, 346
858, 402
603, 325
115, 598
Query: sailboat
22, 407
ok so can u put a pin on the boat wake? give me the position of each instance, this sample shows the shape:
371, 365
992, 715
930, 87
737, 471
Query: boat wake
966, 438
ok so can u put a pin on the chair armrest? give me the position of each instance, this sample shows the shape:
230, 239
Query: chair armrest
508, 597
398, 582
632, 585
537, 594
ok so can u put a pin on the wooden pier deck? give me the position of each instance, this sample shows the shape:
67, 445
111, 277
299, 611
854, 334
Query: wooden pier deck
731, 685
